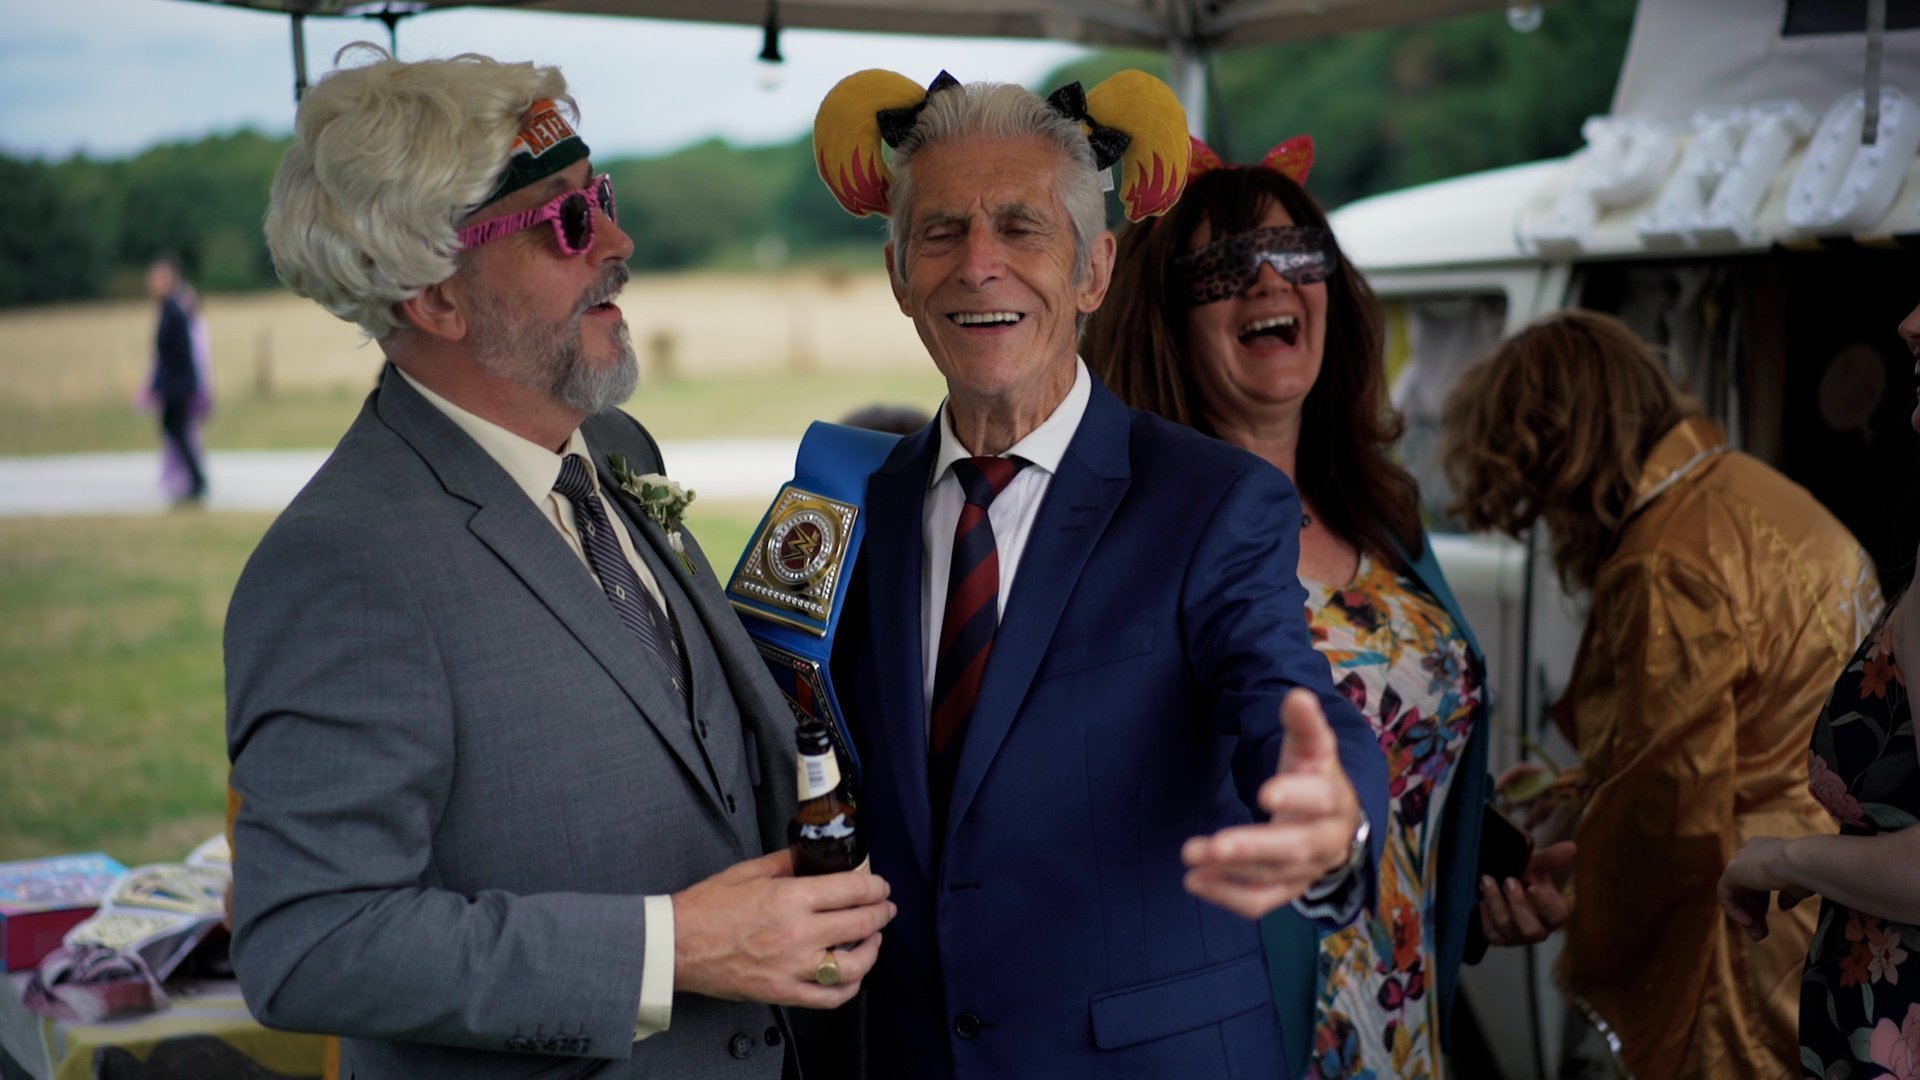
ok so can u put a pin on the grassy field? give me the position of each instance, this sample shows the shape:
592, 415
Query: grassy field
111, 694
737, 404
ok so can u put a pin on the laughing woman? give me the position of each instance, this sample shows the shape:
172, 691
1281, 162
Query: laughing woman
1235, 314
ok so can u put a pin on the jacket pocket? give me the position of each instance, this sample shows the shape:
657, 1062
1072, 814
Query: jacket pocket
1156, 1010
1120, 645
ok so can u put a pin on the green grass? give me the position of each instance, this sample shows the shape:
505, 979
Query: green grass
112, 704
777, 403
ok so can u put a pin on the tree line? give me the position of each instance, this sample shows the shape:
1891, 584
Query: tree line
1387, 109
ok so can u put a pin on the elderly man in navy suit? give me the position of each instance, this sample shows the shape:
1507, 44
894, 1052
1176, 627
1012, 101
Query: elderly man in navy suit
1097, 741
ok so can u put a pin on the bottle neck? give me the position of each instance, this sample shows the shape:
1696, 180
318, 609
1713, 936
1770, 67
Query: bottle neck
818, 774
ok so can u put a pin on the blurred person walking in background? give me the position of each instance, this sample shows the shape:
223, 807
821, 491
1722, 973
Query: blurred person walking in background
1724, 602
178, 387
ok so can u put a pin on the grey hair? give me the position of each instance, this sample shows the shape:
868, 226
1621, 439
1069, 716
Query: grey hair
1001, 111
387, 157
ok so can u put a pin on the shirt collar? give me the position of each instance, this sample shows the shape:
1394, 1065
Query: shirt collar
533, 467
1678, 454
1043, 447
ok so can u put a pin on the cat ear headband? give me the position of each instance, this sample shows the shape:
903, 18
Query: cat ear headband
1291, 159
1131, 118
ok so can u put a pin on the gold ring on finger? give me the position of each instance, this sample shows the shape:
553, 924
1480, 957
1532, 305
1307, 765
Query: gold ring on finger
828, 973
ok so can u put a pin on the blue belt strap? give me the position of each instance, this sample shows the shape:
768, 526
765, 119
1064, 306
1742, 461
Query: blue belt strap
791, 583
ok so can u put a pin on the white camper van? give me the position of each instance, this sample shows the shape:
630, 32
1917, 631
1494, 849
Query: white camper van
1727, 209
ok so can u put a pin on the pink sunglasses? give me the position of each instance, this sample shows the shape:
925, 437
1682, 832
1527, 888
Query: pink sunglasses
571, 213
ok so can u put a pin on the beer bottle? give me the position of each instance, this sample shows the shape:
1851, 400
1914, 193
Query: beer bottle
823, 832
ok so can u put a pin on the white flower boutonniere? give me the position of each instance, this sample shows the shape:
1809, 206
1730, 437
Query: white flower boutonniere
664, 501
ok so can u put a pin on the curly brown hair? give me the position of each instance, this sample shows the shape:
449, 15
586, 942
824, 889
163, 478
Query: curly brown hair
1556, 426
1137, 343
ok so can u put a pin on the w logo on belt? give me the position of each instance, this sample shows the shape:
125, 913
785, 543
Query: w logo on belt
972, 615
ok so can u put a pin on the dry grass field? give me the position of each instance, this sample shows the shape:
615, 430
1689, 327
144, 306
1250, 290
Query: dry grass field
686, 325
722, 355
111, 695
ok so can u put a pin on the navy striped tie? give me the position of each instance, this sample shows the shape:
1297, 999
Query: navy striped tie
636, 605
971, 617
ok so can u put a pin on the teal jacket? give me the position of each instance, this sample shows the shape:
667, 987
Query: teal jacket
1293, 942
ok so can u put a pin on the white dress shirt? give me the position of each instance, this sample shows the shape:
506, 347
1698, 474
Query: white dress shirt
1011, 514
535, 468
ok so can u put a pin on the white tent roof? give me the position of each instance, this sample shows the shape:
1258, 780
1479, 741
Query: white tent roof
1149, 23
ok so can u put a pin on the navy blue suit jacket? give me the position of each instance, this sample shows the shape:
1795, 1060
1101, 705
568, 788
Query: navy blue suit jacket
1132, 701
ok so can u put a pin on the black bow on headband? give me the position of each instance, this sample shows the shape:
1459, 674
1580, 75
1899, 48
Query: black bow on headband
1108, 143
895, 123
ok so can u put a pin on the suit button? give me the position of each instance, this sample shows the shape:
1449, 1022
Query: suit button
966, 1025
741, 1046
773, 1036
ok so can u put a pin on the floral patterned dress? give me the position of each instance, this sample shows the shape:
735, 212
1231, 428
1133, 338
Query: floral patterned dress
1397, 655
1860, 993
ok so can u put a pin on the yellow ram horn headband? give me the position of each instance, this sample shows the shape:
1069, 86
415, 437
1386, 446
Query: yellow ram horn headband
847, 132
1153, 166
1131, 118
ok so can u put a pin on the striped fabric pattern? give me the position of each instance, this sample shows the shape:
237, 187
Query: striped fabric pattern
971, 617
636, 606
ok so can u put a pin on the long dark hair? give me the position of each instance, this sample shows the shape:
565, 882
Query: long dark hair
1137, 343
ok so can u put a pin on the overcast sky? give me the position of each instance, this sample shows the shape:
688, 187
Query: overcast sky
112, 77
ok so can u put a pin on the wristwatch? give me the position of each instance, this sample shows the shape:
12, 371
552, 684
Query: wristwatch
1357, 853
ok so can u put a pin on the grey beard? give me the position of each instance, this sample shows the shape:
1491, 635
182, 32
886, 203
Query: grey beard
589, 389
555, 362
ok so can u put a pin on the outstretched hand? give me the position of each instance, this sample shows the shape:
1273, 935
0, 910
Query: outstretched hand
1254, 869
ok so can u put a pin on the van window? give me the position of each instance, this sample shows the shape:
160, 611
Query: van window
1430, 341
1794, 351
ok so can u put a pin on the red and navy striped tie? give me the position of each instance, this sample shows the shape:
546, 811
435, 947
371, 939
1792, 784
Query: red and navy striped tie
972, 615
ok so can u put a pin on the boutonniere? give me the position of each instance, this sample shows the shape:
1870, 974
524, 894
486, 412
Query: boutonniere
664, 501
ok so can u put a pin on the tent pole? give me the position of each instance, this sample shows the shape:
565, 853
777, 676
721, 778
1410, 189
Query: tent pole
299, 56
1187, 62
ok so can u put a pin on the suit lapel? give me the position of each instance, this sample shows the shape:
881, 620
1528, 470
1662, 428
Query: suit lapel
1080, 501
509, 524
891, 557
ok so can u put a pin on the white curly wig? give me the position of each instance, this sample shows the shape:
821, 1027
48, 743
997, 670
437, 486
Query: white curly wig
388, 156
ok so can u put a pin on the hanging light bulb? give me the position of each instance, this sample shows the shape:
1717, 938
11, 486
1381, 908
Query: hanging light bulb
767, 69
1525, 17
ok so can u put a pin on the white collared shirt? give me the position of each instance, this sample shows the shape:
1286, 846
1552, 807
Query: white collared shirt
535, 468
1011, 514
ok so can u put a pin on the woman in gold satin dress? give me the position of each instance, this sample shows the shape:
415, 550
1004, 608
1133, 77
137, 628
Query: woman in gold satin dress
1725, 600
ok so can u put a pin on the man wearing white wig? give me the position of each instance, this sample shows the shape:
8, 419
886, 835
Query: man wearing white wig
507, 763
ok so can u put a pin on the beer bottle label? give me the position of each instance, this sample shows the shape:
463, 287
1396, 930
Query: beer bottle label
818, 775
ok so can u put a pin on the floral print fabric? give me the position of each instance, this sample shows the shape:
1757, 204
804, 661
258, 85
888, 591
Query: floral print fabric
1397, 655
1860, 992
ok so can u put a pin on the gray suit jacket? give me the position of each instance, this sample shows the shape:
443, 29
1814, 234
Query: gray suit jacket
460, 772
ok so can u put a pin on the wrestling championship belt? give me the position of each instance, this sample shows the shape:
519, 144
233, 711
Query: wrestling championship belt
791, 581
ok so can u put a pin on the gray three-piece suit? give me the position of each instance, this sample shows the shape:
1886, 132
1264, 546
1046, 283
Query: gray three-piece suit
461, 773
